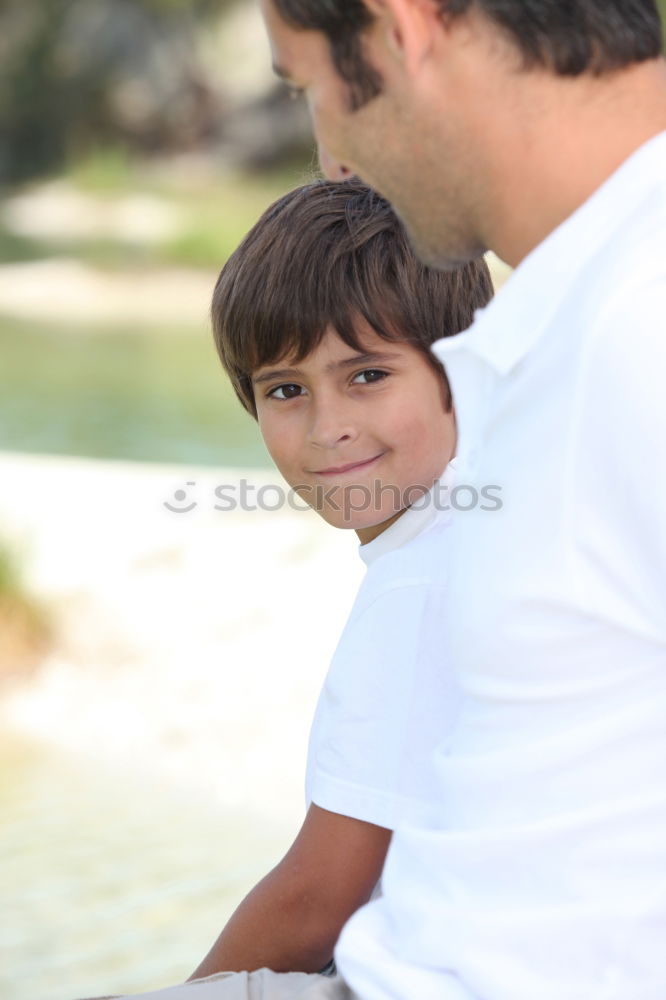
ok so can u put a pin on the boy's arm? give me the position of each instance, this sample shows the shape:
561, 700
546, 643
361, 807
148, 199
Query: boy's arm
291, 920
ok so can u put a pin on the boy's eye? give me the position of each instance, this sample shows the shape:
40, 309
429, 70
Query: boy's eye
370, 375
287, 391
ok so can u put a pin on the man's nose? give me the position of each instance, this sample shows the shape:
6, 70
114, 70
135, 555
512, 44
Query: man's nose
332, 168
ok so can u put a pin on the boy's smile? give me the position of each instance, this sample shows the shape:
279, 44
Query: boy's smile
359, 435
350, 467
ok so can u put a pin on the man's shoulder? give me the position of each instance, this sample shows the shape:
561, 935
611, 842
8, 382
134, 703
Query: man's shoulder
631, 219
629, 320
620, 294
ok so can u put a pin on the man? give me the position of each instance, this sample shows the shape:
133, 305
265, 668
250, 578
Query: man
535, 128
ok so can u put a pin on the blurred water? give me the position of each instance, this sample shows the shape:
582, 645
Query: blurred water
111, 886
156, 396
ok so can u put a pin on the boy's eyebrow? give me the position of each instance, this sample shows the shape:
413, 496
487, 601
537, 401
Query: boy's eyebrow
275, 373
364, 359
353, 362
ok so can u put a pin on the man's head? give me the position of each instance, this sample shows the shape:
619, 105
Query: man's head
324, 319
579, 36
435, 102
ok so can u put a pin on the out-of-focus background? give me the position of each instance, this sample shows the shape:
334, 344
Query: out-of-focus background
158, 668
160, 657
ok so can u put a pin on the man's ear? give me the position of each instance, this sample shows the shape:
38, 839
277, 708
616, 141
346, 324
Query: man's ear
406, 28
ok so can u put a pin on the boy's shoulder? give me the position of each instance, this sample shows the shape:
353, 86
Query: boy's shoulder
412, 553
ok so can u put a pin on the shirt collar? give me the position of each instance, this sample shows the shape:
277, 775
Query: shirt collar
505, 331
411, 522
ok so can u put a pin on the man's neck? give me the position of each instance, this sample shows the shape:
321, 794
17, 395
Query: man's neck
560, 145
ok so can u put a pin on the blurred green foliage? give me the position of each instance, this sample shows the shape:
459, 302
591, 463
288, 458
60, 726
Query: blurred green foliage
10, 577
105, 169
76, 72
25, 623
217, 218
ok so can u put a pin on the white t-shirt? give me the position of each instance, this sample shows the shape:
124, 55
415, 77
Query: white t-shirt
388, 699
546, 879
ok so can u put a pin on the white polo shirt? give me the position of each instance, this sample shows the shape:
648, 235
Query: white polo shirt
546, 879
387, 700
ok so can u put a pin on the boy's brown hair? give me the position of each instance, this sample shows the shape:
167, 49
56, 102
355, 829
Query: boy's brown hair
322, 256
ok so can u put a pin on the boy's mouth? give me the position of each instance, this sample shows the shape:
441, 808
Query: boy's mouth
336, 470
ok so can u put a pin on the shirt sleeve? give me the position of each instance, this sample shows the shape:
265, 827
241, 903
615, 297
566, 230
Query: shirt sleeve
372, 738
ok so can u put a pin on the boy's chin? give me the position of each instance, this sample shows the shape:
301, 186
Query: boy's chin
351, 510
366, 524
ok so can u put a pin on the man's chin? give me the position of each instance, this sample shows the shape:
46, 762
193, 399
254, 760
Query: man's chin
439, 255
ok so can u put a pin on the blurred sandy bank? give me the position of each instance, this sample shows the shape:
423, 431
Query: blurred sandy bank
153, 766
190, 639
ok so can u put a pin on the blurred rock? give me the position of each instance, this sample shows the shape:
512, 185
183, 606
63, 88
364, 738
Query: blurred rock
58, 211
266, 132
73, 293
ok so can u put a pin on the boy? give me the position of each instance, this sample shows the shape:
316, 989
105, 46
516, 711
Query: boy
323, 319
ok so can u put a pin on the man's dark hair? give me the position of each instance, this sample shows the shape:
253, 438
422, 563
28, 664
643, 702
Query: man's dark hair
329, 254
569, 37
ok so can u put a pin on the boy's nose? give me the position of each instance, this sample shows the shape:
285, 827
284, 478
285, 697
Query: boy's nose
330, 428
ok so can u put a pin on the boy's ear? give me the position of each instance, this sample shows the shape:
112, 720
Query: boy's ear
406, 27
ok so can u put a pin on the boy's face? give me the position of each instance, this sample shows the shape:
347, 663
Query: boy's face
360, 436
